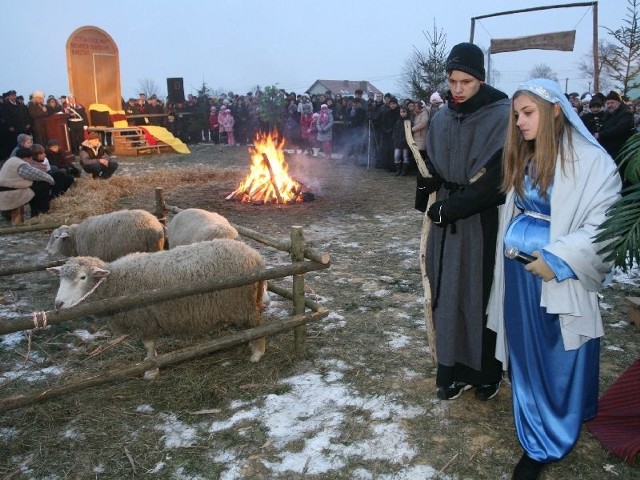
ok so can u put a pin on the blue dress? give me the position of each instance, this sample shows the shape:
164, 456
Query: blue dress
553, 390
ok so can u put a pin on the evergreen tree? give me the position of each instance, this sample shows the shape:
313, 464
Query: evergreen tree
621, 230
424, 72
272, 107
198, 122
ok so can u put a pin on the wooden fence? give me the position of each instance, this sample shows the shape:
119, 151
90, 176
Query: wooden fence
304, 259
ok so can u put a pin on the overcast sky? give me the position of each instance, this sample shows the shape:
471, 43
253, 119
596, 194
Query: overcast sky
236, 45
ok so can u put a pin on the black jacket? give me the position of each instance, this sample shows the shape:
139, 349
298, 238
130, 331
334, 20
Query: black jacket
617, 127
388, 120
399, 137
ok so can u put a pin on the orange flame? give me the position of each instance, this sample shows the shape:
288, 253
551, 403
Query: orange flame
269, 171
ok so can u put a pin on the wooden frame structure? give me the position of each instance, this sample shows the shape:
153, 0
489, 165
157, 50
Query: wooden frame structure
93, 67
304, 259
594, 5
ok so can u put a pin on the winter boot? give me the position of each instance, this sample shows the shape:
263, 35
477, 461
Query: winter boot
398, 169
405, 170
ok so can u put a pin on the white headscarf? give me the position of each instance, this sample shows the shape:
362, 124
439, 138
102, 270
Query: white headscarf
550, 91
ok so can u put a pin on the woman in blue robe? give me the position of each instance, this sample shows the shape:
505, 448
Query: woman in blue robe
559, 184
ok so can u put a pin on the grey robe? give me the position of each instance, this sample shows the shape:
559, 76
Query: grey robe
459, 146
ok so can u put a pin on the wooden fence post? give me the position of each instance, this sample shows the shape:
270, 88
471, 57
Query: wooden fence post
161, 209
297, 255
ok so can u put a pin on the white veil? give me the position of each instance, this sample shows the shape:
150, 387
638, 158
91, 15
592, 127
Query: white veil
550, 91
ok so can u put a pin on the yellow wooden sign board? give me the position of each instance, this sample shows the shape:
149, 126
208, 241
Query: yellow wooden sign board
93, 66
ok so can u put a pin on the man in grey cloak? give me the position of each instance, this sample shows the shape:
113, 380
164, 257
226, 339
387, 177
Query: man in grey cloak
464, 147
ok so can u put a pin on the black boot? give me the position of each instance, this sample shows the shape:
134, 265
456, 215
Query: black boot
398, 169
405, 170
527, 469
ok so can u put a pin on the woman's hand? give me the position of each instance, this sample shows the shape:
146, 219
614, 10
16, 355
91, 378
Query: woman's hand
540, 268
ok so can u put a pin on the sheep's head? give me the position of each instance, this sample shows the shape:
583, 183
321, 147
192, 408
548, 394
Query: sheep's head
60, 242
77, 277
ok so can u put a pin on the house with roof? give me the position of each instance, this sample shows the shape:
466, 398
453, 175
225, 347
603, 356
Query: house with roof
346, 88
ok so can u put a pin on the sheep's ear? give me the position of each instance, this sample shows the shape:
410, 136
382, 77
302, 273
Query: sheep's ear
55, 270
64, 235
99, 272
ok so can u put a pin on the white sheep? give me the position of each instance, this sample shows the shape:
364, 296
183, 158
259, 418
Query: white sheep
196, 225
183, 317
109, 236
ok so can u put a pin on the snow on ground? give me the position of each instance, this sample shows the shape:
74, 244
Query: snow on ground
305, 423
312, 412
631, 277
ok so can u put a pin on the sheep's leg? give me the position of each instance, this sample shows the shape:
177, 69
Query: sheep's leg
257, 348
150, 346
266, 299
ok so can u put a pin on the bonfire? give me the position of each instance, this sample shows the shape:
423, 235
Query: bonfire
268, 180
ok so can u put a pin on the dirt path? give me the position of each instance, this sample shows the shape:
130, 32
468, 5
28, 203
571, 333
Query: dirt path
361, 405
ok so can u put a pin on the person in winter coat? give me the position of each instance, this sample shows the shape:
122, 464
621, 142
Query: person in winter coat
400, 145
388, 119
292, 126
355, 121
313, 133
77, 122
464, 146
53, 106
227, 123
16, 120
594, 118
324, 124
419, 128
241, 118
38, 113
94, 159
24, 140
307, 140
20, 183
214, 125
618, 126
58, 158
40, 161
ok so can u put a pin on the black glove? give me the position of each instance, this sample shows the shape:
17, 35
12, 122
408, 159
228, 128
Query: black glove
438, 214
424, 187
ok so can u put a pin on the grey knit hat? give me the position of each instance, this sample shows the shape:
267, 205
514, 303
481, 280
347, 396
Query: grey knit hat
467, 58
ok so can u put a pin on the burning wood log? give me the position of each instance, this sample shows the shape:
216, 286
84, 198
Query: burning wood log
268, 180
267, 163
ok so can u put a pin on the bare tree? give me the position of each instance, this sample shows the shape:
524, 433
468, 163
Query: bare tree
624, 58
424, 72
542, 70
493, 75
585, 66
148, 87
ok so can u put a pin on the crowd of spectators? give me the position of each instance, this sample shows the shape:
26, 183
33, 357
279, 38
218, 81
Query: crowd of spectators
610, 118
365, 129
34, 169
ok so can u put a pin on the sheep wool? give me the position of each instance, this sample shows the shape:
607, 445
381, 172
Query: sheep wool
196, 225
109, 236
183, 317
